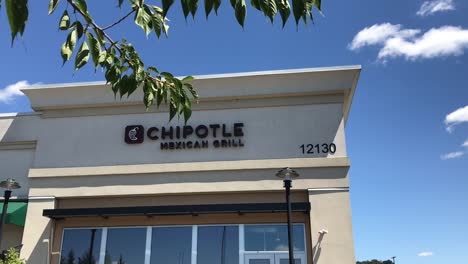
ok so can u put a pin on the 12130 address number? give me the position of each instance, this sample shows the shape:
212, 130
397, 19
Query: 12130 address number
318, 148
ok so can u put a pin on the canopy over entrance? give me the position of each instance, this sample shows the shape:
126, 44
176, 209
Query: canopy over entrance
16, 213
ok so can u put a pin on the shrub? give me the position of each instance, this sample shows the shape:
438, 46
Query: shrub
12, 257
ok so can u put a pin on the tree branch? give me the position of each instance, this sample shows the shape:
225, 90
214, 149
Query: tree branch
120, 20
112, 42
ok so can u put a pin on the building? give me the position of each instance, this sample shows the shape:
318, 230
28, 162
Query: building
103, 179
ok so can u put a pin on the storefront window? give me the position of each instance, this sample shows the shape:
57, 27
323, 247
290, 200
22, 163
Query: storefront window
81, 246
171, 245
125, 246
272, 237
218, 245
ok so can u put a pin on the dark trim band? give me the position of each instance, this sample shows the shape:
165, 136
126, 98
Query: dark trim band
175, 210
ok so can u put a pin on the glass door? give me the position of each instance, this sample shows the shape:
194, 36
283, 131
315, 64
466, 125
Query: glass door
273, 258
283, 258
260, 259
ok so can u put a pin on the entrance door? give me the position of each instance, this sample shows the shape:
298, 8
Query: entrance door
282, 258
260, 259
273, 258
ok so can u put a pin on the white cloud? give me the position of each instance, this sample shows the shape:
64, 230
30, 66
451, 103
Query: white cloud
397, 41
8, 93
425, 254
434, 6
456, 117
378, 34
451, 155
465, 144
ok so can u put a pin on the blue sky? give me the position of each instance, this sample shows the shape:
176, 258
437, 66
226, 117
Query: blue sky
407, 197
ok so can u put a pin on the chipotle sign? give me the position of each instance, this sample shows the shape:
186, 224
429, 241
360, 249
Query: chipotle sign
188, 136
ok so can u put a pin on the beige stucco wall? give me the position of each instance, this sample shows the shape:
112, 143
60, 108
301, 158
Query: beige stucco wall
37, 232
15, 163
330, 210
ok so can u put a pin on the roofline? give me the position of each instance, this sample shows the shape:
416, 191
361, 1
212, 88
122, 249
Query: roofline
212, 76
18, 114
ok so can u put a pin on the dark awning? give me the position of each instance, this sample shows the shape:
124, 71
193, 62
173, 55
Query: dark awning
176, 210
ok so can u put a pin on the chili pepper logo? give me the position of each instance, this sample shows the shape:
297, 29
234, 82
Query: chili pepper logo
134, 134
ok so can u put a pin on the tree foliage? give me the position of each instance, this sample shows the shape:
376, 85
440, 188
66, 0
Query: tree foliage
123, 68
12, 257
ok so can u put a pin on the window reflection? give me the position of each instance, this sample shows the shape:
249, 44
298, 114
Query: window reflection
125, 246
218, 245
171, 245
80, 246
272, 237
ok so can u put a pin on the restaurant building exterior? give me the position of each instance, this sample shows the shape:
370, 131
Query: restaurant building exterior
105, 181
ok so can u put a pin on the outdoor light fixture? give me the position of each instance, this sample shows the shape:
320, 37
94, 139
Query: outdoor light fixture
323, 231
288, 174
8, 185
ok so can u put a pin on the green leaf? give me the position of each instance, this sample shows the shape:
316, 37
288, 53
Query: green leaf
208, 7
166, 4
284, 9
185, 7
233, 3
64, 21
112, 75
256, 4
318, 4
187, 109
188, 79
308, 5
269, 8
217, 4
193, 7
143, 19
79, 29
132, 84
172, 111
167, 75
82, 6
298, 10
240, 10
52, 5
65, 52
82, 56
99, 36
17, 12
102, 57
156, 22
153, 70
94, 48
68, 46
191, 90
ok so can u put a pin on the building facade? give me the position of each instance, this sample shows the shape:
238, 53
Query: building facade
106, 182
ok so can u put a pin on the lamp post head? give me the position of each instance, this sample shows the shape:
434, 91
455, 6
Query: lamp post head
10, 184
287, 174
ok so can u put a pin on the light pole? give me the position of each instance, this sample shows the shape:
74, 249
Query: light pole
287, 174
8, 185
